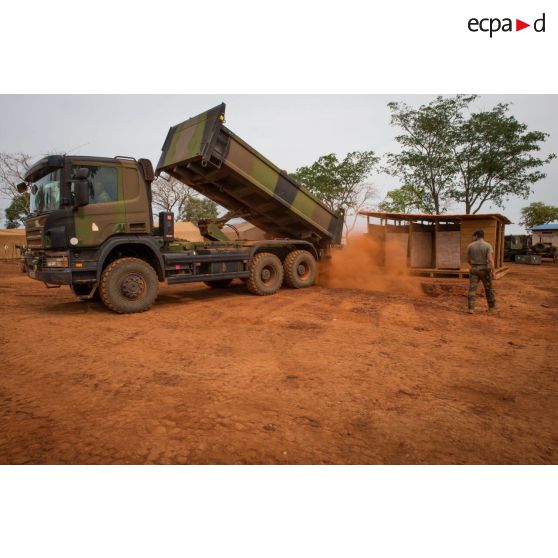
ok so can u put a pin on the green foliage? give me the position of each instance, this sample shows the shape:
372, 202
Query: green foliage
538, 213
406, 199
172, 195
426, 159
17, 211
486, 157
196, 208
341, 185
494, 158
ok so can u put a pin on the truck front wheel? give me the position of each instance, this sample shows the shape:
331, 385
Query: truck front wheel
266, 274
300, 269
129, 285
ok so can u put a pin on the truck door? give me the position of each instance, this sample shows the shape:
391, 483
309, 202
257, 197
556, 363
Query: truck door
105, 215
134, 191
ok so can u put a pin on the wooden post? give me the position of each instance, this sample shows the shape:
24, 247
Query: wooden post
409, 244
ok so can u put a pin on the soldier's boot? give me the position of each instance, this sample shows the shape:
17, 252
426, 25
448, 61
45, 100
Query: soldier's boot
471, 299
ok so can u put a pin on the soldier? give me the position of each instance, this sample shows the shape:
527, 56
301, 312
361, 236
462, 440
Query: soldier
101, 194
481, 259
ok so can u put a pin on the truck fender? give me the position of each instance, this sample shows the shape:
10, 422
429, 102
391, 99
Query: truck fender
149, 244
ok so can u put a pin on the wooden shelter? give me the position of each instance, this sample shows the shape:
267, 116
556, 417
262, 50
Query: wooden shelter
9, 240
434, 245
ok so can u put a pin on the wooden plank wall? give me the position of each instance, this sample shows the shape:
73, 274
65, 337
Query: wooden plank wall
448, 249
397, 245
421, 249
436, 246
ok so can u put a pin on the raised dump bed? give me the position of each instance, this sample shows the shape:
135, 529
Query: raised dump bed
204, 154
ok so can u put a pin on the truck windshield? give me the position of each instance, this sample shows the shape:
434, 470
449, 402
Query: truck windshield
45, 192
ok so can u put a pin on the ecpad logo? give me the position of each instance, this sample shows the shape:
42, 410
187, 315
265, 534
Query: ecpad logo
493, 25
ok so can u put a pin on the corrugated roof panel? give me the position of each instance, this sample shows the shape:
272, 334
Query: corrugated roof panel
547, 227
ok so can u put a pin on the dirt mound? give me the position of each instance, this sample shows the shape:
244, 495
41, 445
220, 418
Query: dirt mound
435, 290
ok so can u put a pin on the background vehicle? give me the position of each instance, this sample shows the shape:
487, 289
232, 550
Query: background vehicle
522, 245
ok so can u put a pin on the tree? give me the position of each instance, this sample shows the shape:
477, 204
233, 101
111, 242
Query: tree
405, 200
493, 155
485, 157
17, 211
341, 185
426, 159
172, 195
169, 194
197, 208
13, 167
538, 213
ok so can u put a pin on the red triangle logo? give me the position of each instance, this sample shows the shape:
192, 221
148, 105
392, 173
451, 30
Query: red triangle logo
519, 25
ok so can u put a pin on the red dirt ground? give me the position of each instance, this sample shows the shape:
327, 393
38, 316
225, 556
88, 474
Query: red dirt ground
317, 376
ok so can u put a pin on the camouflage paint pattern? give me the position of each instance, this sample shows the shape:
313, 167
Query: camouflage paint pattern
479, 274
204, 154
96, 222
92, 224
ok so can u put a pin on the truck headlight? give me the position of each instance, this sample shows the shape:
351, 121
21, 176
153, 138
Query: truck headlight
59, 261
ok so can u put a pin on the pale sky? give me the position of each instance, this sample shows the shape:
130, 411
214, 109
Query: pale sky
290, 130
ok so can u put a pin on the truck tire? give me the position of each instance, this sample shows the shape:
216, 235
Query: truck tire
129, 285
300, 269
266, 274
219, 284
538, 248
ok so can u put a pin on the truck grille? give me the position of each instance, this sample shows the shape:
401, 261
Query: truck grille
34, 232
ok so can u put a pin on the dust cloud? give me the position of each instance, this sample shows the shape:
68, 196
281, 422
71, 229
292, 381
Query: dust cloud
367, 264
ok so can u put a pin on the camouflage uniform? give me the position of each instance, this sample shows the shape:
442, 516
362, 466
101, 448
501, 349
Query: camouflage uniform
480, 271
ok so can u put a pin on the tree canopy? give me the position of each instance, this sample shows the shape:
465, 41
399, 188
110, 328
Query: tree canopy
494, 155
426, 159
13, 167
341, 184
172, 195
451, 155
538, 213
406, 200
17, 211
197, 208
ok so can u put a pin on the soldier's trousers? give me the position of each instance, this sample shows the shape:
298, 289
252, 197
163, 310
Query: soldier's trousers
480, 273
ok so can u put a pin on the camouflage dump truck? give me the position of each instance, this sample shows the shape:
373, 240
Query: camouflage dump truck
91, 223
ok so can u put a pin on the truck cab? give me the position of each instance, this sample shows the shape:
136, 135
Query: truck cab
118, 201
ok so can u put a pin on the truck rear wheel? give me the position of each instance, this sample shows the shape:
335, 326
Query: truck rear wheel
266, 274
300, 269
129, 285
219, 284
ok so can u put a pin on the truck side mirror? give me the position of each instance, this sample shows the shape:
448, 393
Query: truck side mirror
81, 186
21, 187
81, 193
